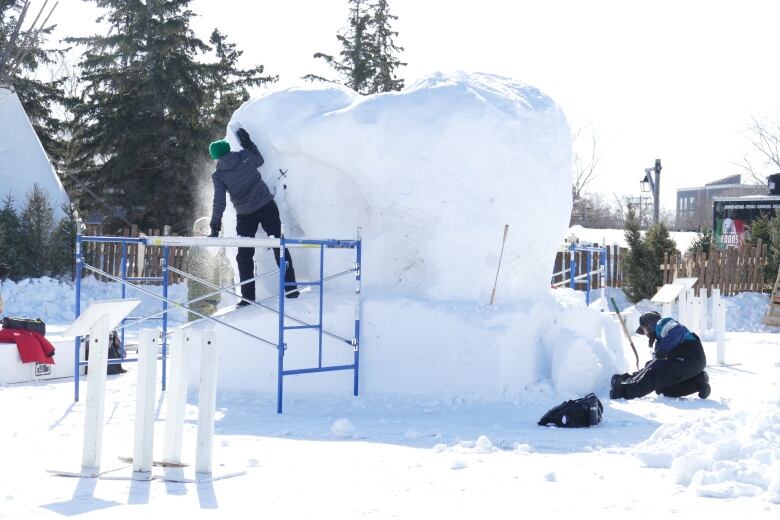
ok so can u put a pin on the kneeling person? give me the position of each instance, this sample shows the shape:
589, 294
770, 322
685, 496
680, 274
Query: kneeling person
677, 368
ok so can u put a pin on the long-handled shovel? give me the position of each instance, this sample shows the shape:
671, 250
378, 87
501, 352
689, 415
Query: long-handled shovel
625, 330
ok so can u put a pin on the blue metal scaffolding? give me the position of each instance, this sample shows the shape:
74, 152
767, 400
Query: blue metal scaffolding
281, 345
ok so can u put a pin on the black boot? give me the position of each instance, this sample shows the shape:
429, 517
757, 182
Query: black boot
291, 291
618, 378
618, 391
704, 385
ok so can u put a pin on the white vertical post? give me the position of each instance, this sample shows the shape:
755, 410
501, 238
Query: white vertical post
667, 309
180, 352
95, 405
719, 318
703, 310
690, 318
682, 307
141, 255
207, 400
696, 315
143, 439
602, 271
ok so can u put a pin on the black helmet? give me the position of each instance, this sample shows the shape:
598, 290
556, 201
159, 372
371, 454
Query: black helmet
648, 319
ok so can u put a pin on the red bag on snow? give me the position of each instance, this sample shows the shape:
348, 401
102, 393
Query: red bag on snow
32, 346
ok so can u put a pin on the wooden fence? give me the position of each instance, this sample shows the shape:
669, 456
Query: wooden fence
146, 262
733, 270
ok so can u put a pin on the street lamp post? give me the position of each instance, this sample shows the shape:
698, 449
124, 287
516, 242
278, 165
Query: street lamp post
648, 183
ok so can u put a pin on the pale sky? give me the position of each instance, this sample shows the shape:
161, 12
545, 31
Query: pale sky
675, 80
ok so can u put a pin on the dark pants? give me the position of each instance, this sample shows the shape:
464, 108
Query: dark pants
675, 376
246, 226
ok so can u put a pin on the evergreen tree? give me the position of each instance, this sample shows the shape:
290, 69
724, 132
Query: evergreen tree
767, 229
11, 243
385, 50
702, 242
62, 245
37, 220
639, 280
368, 60
150, 107
355, 62
38, 97
659, 243
139, 126
229, 83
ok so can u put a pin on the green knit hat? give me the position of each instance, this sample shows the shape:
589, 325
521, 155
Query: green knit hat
218, 148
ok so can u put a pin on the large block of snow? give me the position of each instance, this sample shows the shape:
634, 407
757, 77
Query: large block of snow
432, 175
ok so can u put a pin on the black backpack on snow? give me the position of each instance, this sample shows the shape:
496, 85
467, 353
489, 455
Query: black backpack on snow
583, 412
115, 351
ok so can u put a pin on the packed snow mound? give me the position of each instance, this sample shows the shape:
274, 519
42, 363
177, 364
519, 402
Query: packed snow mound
54, 301
432, 174
729, 458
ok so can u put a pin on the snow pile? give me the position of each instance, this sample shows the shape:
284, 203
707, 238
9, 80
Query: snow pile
54, 301
343, 429
745, 313
730, 457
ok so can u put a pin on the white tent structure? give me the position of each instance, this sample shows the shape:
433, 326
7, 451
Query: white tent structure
23, 161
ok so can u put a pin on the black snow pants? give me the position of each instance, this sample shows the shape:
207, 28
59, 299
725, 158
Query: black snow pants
246, 226
677, 375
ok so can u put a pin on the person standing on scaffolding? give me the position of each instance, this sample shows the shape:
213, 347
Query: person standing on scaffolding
237, 174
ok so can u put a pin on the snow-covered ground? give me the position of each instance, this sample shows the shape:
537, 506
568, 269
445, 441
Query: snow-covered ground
395, 456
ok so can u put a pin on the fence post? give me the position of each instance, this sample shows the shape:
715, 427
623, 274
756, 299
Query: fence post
682, 307
691, 316
181, 347
143, 440
207, 399
719, 319
702, 309
572, 266
94, 409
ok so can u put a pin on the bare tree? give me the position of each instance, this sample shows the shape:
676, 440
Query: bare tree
764, 137
585, 167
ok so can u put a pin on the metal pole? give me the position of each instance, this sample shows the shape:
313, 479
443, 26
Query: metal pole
322, 293
281, 346
124, 279
657, 191
77, 345
358, 268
